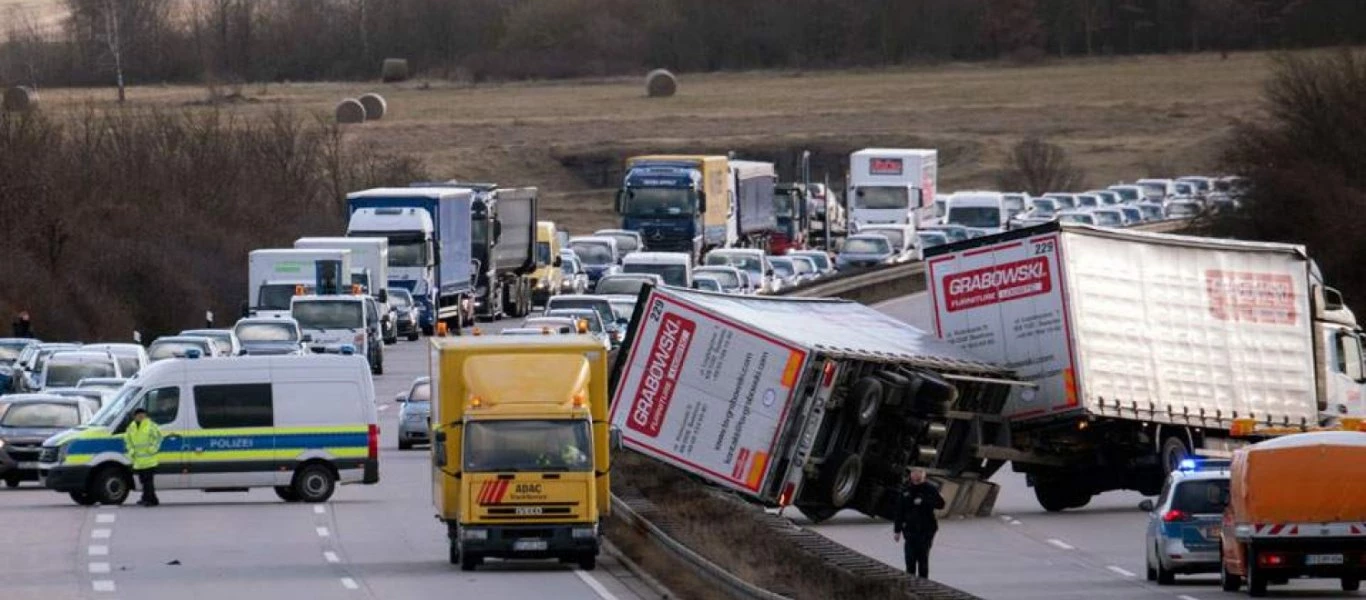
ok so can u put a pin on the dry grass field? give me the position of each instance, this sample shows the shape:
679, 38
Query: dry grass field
1120, 118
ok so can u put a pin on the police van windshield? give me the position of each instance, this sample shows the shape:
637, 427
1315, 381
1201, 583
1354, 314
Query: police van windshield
275, 296
881, 197
326, 314
510, 446
648, 202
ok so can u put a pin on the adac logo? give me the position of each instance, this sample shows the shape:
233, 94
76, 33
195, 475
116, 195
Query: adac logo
492, 491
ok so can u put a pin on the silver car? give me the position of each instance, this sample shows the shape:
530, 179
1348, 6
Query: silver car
414, 417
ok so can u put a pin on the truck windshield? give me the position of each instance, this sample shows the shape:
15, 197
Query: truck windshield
974, 216
407, 252
275, 296
593, 253
525, 445
41, 414
1201, 496
651, 202
325, 314
784, 205
543, 253
881, 197
675, 275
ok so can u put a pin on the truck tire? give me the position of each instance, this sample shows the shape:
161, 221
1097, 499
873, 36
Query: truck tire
843, 481
588, 562
1057, 496
866, 397
818, 514
1172, 452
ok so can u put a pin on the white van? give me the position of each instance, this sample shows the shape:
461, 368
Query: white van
674, 267
298, 424
984, 212
331, 322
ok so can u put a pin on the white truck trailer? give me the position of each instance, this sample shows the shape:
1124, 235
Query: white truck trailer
369, 259
891, 186
820, 404
1144, 347
274, 274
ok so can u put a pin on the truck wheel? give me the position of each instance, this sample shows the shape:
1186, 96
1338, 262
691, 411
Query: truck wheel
110, 485
1054, 496
470, 562
314, 483
1173, 452
1350, 584
1256, 582
286, 493
844, 481
588, 562
867, 395
818, 514
1228, 581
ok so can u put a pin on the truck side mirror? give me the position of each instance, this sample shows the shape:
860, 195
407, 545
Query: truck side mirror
614, 439
401, 397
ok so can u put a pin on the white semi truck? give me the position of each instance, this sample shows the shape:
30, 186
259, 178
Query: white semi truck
1144, 348
275, 274
891, 186
814, 403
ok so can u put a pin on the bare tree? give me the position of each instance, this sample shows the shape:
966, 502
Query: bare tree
1037, 166
112, 40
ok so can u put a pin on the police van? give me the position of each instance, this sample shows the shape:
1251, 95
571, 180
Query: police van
298, 424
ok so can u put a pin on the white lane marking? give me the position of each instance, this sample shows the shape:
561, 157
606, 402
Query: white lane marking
331, 557
323, 532
1062, 544
596, 586
99, 567
383, 407
101, 534
1006, 518
1016, 522
319, 509
1121, 571
1185, 597
104, 518
349, 583
98, 550
103, 585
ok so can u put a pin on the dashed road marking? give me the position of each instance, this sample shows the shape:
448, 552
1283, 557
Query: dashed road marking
319, 509
103, 585
101, 534
1006, 518
99, 567
323, 532
98, 551
1121, 571
1062, 544
349, 583
331, 557
108, 518
383, 407
595, 585
1016, 522
1185, 597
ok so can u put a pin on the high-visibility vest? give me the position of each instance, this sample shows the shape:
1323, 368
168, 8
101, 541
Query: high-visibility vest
143, 442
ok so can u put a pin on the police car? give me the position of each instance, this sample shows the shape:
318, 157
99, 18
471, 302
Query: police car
1183, 525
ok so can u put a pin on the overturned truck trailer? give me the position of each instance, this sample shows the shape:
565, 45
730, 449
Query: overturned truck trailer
820, 404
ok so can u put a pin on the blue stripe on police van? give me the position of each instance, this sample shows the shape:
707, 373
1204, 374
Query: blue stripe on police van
285, 441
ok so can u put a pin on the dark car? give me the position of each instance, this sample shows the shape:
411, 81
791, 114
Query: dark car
402, 301
864, 250
27, 420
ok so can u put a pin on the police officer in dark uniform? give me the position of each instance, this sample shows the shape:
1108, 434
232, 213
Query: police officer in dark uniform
915, 519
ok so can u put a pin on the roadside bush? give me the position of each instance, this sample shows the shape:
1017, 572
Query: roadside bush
1306, 160
1038, 167
142, 219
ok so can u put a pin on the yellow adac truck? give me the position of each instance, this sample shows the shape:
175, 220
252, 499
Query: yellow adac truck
545, 281
520, 446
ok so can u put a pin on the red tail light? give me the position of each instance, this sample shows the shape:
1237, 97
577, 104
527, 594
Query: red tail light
1270, 559
786, 496
373, 443
1175, 515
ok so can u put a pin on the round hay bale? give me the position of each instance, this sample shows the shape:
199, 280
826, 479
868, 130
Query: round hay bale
350, 110
660, 83
20, 99
375, 106
394, 69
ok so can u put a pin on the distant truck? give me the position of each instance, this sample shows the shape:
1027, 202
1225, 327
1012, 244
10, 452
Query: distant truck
1297, 508
430, 233
505, 249
792, 207
275, 274
369, 260
678, 203
520, 465
826, 216
756, 217
547, 279
1145, 347
889, 186
814, 403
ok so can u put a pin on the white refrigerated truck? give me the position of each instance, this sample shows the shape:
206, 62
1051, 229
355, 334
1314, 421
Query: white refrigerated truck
891, 186
1145, 347
369, 259
820, 404
275, 274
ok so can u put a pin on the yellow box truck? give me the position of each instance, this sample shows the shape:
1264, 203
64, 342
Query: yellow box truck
545, 281
520, 456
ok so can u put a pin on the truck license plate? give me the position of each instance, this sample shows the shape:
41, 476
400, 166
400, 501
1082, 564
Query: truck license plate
533, 545
1323, 559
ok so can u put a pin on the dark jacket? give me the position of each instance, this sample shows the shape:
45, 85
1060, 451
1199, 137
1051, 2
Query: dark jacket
915, 506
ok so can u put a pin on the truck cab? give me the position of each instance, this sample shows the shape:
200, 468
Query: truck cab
274, 276
677, 203
410, 232
520, 465
548, 277
791, 205
890, 186
674, 267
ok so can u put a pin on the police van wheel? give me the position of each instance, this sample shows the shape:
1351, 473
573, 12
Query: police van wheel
82, 498
110, 485
314, 483
286, 493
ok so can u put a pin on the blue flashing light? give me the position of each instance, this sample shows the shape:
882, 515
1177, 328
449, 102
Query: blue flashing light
1187, 465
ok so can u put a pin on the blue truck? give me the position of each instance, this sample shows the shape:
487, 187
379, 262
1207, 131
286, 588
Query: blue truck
430, 233
678, 203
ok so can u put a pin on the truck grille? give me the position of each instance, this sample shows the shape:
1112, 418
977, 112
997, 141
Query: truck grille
530, 512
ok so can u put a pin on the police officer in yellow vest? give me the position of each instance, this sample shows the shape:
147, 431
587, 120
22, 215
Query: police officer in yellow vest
143, 441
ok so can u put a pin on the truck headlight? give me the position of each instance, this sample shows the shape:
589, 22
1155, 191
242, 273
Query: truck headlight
474, 534
585, 533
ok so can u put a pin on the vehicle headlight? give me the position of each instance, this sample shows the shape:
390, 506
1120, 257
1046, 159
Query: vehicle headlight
585, 533
474, 534
2, 443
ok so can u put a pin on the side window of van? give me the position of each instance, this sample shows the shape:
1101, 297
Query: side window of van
162, 404
234, 405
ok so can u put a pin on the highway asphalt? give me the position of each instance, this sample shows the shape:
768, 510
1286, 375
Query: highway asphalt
1025, 553
378, 541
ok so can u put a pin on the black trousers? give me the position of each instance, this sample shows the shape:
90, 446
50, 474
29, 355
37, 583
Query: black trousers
918, 553
147, 481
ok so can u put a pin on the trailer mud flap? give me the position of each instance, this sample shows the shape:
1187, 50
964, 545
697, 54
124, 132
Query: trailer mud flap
967, 497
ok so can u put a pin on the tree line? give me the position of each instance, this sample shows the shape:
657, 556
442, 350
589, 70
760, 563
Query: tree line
156, 41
